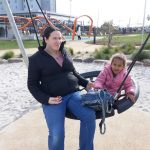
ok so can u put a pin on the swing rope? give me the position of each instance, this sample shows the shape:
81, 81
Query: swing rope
51, 25
48, 22
33, 23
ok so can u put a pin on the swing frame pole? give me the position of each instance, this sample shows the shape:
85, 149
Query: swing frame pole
15, 30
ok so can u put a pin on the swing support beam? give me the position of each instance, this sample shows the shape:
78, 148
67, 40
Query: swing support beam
15, 30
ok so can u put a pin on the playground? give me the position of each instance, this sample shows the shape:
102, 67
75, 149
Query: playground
24, 114
25, 25
128, 130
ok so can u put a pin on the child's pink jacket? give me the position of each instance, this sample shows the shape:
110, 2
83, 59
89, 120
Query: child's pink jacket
106, 80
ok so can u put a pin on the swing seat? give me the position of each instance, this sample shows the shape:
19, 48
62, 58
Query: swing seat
98, 115
121, 104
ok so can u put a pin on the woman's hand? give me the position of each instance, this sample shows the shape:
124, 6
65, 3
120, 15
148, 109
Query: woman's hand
55, 100
89, 86
131, 97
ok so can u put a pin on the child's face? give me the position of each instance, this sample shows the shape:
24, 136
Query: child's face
117, 66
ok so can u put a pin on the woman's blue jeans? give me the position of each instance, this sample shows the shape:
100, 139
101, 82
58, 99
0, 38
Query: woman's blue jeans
55, 118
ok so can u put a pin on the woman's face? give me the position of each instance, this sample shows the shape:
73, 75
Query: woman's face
117, 65
54, 41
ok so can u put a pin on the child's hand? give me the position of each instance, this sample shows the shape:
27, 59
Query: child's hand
131, 97
89, 86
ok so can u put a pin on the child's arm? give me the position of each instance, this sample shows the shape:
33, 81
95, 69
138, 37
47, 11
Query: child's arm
131, 97
100, 80
129, 89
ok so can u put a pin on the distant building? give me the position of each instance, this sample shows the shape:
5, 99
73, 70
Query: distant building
19, 8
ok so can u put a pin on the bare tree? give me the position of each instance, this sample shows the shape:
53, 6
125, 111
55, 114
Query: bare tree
148, 17
108, 29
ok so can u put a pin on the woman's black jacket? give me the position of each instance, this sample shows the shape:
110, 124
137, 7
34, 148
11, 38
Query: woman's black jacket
46, 78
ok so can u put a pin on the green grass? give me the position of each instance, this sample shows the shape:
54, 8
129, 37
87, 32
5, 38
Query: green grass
12, 44
31, 43
126, 44
8, 44
123, 39
135, 40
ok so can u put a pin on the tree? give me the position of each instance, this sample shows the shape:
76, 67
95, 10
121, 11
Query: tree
108, 29
148, 17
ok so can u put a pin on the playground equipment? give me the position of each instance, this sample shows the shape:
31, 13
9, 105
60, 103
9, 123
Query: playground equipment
23, 23
75, 24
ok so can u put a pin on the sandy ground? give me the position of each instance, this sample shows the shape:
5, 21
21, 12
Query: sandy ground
78, 46
127, 131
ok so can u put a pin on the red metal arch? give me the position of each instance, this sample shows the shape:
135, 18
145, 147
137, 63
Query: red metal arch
75, 24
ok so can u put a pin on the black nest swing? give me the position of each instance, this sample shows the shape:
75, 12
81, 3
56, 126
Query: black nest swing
122, 104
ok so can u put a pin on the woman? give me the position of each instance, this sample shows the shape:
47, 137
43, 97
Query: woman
79, 32
54, 82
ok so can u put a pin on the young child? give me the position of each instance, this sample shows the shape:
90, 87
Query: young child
112, 76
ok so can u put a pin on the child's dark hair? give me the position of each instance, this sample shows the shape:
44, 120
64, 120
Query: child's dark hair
120, 56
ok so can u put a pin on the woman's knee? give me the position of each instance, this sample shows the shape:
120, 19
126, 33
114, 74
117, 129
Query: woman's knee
90, 115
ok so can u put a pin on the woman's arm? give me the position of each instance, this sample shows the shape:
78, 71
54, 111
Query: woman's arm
33, 82
82, 81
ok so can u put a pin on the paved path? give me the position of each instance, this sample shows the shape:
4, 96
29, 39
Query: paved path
127, 131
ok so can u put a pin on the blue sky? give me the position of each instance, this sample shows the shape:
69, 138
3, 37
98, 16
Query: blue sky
123, 12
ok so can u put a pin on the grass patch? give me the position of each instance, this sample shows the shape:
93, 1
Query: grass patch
123, 39
143, 55
8, 55
147, 46
70, 50
31, 43
8, 44
104, 53
12, 44
127, 48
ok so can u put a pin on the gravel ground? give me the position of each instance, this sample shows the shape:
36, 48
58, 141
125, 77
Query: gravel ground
15, 100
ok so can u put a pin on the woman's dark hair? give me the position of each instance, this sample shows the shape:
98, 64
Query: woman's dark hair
47, 32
